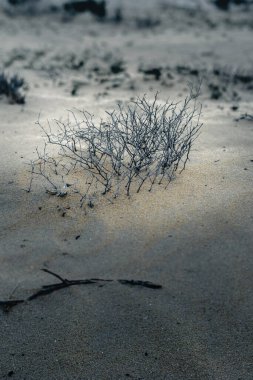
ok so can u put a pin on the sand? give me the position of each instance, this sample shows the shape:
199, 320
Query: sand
194, 238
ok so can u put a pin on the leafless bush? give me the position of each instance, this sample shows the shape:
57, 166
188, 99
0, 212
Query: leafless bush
140, 143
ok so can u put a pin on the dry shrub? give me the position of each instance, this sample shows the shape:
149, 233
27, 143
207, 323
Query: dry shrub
142, 143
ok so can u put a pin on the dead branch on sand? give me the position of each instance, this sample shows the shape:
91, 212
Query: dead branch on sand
65, 283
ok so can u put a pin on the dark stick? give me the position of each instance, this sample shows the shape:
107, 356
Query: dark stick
146, 284
65, 283
47, 289
54, 274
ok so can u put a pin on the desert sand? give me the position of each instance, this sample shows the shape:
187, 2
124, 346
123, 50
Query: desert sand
194, 238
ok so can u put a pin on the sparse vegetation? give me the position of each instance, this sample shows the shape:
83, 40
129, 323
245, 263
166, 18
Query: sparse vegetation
221, 82
155, 72
225, 4
141, 143
98, 8
95, 62
12, 88
245, 116
17, 2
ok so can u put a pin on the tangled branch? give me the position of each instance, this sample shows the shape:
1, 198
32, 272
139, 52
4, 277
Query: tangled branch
141, 143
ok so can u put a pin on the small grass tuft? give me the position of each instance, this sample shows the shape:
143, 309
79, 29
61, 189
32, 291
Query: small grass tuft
12, 88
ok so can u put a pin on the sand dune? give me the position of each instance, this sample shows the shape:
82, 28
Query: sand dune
194, 238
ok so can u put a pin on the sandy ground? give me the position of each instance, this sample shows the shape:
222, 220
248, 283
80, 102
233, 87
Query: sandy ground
195, 238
